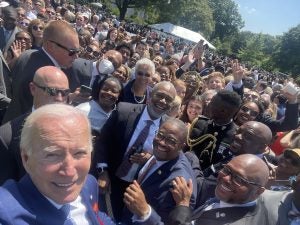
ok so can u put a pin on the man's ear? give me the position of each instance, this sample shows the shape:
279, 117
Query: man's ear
32, 88
24, 157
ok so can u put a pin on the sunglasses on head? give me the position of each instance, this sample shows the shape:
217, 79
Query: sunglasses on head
72, 51
96, 54
36, 28
251, 112
140, 73
54, 91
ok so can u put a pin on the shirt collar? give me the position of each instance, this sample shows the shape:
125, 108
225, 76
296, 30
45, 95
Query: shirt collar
227, 205
51, 58
145, 116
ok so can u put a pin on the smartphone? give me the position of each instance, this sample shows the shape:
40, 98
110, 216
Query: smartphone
85, 90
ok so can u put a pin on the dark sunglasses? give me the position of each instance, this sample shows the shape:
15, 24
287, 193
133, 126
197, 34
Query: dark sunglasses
252, 96
236, 179
24, 24
96, 54
72, 51
36, 28
20, 14
251, 112
140, 73
53, 91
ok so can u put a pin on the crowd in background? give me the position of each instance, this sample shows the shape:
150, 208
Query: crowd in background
228, 108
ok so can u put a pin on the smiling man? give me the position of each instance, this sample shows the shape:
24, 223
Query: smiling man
56, 148
149, 198
126, 141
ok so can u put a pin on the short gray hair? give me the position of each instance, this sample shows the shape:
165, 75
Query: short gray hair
58, 112
145, 61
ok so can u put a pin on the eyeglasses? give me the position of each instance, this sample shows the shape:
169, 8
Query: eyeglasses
96, 54
24, 24
36, 28
236, 179
140, 73
54, 91
50, 12
162, 96
251, 96
72, 51
251, 112
168, 140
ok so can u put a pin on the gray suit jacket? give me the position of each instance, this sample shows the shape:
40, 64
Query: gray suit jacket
278, 203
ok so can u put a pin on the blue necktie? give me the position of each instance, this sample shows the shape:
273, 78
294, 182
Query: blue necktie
66, 210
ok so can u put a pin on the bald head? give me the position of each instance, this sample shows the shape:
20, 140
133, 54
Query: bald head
115, 57
242, 180
49, 85
252, 137
254, 167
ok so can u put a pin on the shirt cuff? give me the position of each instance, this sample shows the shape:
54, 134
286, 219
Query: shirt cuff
135, 218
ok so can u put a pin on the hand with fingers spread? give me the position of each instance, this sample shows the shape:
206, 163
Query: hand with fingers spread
16, 48
182, 191
135, 200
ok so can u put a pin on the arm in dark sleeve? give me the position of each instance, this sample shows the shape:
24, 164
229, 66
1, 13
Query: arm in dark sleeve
290, 121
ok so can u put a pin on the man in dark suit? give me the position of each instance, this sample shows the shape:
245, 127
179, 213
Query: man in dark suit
57, 188
9, 29
48, 77
117, 140
151, 191
240, 184
4, 85
60, 49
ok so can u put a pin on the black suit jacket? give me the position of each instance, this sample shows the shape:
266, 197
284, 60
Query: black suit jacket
22, 74
11, 166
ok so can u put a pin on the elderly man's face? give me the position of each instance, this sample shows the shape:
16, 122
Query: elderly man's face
161, 101
60, 158
233, 183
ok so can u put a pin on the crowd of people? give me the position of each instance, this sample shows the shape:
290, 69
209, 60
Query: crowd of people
110, 122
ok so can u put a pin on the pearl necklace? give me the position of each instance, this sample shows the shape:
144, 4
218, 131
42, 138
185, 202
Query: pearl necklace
136, 100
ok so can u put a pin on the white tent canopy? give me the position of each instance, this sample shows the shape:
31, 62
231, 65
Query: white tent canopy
181, 32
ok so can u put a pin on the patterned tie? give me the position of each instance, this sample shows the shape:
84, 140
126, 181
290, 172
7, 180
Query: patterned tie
137, 147
146, 170
66, 210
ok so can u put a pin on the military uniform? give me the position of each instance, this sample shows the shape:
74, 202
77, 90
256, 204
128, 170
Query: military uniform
209, 141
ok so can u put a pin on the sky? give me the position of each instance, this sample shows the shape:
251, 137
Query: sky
269, 16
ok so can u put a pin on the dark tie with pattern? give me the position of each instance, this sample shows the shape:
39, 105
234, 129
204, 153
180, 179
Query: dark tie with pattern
137, 147
66, 210
146, 170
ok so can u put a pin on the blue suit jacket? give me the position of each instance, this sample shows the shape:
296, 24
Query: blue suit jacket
157, 186
21, 203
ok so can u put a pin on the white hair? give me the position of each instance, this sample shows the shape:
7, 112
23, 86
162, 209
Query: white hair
145, 61
58, 112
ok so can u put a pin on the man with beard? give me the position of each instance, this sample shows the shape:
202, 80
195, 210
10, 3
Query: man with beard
126, 141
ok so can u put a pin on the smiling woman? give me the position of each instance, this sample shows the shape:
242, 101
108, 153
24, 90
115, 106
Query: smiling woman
105, 95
